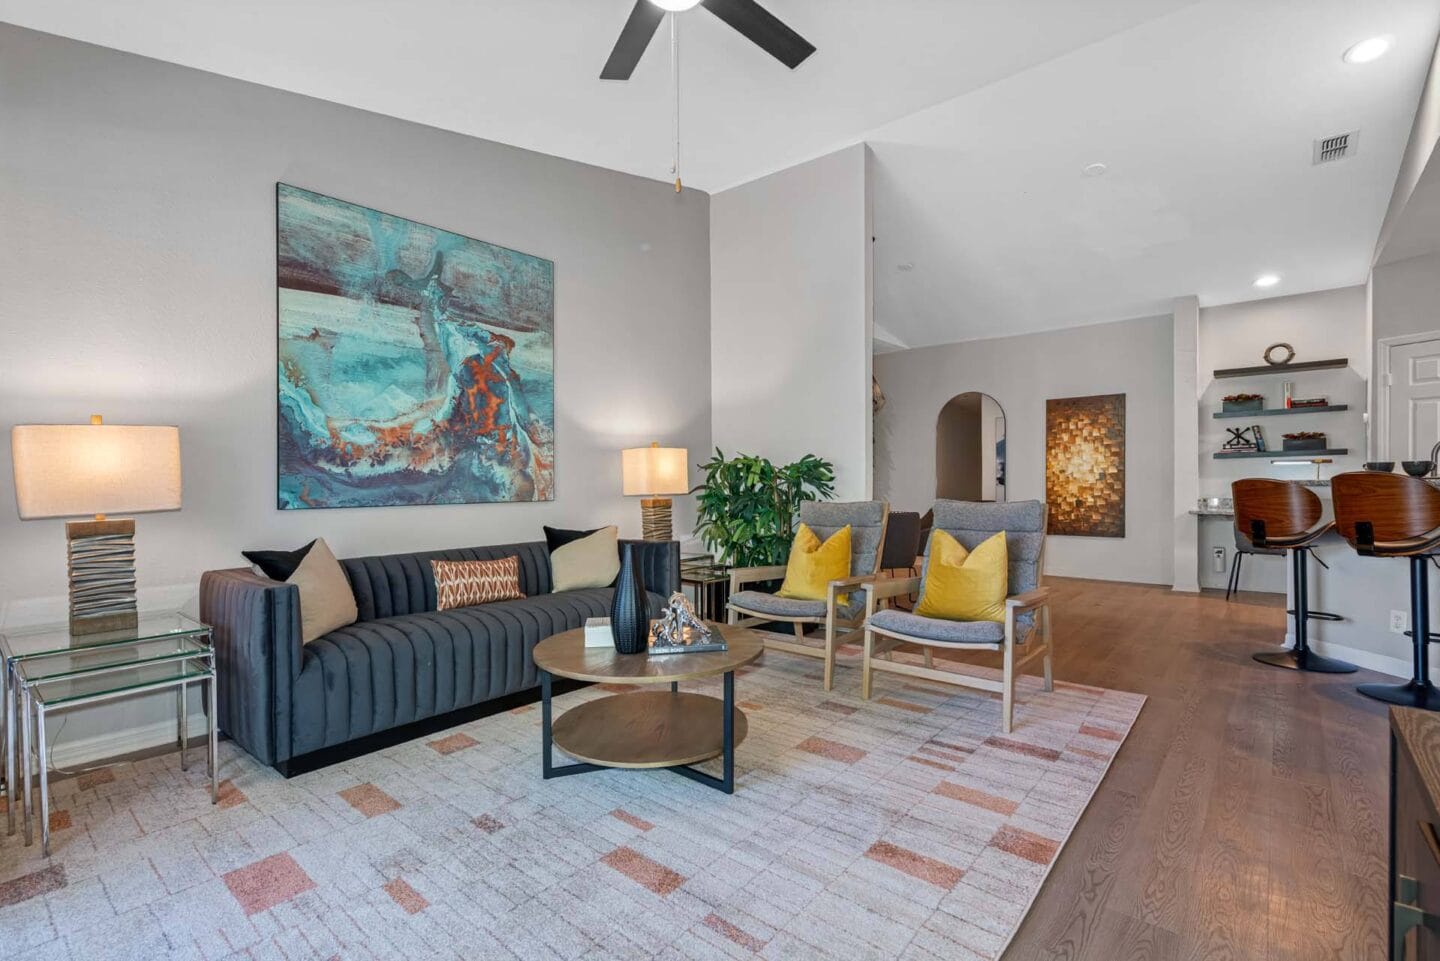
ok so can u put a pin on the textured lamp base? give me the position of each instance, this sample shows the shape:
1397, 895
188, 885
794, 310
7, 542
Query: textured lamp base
655, 518
101, 563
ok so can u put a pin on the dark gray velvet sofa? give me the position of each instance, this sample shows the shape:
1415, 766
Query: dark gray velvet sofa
298, 706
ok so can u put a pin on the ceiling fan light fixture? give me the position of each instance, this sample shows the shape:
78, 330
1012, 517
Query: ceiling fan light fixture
676, 6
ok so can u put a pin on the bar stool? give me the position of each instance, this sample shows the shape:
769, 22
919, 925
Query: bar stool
1391, 515
1286, 515
1243, 546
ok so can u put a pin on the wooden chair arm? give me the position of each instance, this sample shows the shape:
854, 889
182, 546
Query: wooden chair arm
750, 575
889, 587
1028, 600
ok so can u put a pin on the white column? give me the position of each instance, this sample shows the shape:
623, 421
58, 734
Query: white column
1186, 331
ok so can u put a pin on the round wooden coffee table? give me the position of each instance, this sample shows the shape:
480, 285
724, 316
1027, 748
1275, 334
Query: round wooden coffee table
645, 729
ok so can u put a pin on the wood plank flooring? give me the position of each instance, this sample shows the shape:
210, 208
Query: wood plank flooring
1245, 817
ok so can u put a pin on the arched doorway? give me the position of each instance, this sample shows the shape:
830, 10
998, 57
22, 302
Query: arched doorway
970, 449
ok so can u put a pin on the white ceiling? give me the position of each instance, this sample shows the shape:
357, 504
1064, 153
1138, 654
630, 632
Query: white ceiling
1205, 119
980, 113
525, 72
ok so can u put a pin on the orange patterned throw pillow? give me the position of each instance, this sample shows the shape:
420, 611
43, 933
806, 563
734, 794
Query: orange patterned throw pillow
467, 583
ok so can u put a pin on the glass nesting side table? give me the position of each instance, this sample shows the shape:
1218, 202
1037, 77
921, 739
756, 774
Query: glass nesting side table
48, 669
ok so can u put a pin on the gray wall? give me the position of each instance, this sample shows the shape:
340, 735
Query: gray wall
790, 316
1131, 357
1405, 297
138, 257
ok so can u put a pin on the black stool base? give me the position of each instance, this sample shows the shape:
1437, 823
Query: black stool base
1294, 660
1410, 694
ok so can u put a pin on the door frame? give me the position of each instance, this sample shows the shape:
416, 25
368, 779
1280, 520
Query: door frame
1383, 348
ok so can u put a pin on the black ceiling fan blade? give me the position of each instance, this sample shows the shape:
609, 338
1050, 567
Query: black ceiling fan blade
764, 29
634, 38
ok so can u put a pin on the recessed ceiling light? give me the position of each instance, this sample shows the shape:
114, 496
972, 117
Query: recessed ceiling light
1267, 280
1094, 170
675, 6
1368, 50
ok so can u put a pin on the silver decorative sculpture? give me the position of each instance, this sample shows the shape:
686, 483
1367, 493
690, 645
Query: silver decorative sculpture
681, 631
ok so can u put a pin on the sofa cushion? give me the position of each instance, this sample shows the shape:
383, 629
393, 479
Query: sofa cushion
390, 585
951, 632
381, 673
326, 601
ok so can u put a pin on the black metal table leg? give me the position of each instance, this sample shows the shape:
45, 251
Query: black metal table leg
548, 769
725, 783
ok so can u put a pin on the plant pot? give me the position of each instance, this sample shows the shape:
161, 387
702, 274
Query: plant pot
629, 612
1242, 406
1304, 443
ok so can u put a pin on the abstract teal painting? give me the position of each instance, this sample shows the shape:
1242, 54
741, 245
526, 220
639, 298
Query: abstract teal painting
416, 366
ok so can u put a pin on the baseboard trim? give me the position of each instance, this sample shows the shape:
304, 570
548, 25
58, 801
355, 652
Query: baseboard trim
66, 755
1369, 660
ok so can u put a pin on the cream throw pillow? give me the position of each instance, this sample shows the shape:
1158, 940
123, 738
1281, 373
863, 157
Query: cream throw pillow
591, 561
326, 600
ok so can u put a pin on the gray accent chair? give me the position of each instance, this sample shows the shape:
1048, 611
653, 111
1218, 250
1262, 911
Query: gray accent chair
867, 520
296, 706
1025, 634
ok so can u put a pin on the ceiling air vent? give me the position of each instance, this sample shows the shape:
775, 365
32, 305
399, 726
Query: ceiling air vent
1338, 147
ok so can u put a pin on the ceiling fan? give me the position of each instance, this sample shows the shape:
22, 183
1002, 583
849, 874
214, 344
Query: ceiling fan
758, 24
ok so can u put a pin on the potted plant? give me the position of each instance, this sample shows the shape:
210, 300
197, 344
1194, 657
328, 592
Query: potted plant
1304, 440
1242, 403
747, 506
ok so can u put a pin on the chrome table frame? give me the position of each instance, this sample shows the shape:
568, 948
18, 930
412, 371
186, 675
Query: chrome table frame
34, 712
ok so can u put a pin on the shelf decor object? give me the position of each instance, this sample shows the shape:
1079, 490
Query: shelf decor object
649, 473
71, 470
1242, 403
629, 608
1304, 440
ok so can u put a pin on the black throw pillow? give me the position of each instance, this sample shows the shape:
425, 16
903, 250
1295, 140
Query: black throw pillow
556, 538
278, 565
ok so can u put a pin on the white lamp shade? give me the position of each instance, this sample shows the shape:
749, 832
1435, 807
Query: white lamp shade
655, 470
69, 470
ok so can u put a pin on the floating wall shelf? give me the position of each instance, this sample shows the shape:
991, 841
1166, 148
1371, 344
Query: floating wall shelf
1281, 454
1283, 368
1280, 411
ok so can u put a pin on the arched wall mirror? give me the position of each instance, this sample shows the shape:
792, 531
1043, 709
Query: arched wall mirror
970, 449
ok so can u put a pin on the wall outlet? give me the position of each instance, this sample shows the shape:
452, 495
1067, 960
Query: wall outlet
1218, 560
1399, 622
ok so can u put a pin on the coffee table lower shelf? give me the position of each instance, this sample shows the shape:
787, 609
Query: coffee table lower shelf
646, 730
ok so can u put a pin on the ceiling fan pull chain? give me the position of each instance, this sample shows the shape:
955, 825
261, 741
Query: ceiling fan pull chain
675, 76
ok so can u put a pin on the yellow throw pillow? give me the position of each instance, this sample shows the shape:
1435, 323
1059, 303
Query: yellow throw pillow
813, 565
963, 585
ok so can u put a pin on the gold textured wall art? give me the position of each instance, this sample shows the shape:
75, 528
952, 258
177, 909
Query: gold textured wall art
1085, 465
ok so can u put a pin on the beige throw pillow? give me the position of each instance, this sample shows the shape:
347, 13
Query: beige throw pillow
591, 561
326, 600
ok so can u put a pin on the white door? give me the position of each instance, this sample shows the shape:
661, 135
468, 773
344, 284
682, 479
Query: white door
1414, 408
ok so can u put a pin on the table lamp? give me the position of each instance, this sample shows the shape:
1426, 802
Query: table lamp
649, 472
70, 470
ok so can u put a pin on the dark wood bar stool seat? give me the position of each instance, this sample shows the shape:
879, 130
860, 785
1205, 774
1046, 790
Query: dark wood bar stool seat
1285, 515
1391, 515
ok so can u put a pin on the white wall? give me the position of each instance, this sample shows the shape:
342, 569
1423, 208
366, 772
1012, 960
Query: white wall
1132, 357
790, 317
138, 257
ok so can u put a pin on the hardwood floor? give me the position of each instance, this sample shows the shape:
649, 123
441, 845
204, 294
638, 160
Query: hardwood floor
1244, 818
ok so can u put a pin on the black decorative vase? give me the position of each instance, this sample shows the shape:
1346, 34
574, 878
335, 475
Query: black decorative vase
629, 613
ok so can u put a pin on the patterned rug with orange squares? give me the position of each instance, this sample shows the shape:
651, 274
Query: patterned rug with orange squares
904, 827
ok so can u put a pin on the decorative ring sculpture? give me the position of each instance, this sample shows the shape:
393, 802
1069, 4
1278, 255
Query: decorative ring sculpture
1289, 354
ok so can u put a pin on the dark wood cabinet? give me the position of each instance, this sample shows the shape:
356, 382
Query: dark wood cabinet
1414, 835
